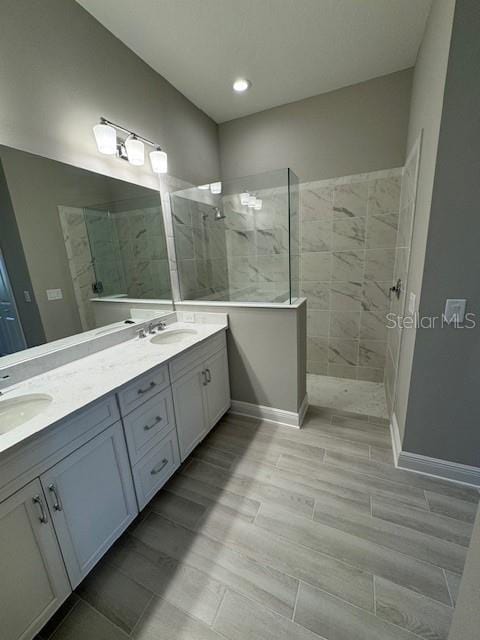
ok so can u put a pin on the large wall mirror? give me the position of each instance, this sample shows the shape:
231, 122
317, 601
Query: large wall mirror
70, 240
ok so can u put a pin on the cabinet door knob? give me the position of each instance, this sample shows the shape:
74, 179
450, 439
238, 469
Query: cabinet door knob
57, 505
157, 469
209, 375
147, 427
43, 513
149, 388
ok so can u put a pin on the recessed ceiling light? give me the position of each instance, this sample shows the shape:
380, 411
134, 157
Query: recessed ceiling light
241, 85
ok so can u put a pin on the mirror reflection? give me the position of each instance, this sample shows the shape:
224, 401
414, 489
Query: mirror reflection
70, 241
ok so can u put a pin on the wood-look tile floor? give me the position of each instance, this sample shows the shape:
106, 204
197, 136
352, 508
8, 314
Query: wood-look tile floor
274, 533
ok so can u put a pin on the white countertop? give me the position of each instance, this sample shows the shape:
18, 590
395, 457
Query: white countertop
77, 384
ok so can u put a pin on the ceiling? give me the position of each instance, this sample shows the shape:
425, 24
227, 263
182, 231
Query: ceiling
288, 49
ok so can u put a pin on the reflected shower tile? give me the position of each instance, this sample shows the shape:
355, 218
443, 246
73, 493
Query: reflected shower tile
376, 295
317, 293
240, 243
372, 353
182, 211
370, 375
373, 325
264, 219
271, 242
342, 352
350, 200
315, 201
384, 195
379, 264
382, 230
317, 322
184, 242
200, 237
239, 220
346, 296
405, 226
320, 368
316, 266
243, 270
348, 234
317, 349
344, 324
317, 235
272, 268
348, 265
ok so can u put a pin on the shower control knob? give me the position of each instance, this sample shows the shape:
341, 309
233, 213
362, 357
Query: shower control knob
397, 288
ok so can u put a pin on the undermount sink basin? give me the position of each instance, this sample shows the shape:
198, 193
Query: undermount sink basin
16, 411
174, 336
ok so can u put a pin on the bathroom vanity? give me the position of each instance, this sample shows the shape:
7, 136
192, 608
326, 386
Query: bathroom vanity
102, 435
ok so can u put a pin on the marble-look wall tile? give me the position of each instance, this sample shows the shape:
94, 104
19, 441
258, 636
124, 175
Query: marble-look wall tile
376, 295
384, 195
344, 324
346, 296
373, 325
318, 321
348, 234
317, 348
379, 264
370, 375
343, 352
316, 267
350, 200
381, 230
317, 235
372, 353
348, 266
317, 294
342, 371
316, 202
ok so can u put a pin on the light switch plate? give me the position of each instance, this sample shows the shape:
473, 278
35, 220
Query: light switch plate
54, 294
27, 296
411, 302
455, 310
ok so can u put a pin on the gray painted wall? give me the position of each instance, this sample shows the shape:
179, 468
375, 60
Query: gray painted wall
425, 113
61, 70
266, 352
352, 130
466, 619
443, 409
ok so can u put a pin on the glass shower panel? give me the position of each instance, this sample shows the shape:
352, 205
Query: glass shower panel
230, 251
104, 249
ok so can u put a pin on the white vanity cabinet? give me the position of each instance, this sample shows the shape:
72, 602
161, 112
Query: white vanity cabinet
201, 394
33, 581
91, 500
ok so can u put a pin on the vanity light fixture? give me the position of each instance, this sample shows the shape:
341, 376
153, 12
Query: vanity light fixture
244, 198
241, 85
258, 205
128, 146
252, 201
204, 187
216, 188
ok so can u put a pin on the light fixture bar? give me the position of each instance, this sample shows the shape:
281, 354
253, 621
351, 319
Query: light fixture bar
130, 133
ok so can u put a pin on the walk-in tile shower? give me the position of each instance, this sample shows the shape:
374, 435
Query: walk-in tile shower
242, 244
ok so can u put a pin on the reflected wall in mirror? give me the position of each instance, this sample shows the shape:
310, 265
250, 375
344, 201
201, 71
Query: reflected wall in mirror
67, 238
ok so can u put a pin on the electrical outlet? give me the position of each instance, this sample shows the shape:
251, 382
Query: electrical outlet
411, 302
27, 296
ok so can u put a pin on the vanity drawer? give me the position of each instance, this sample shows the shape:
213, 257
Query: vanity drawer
187, 361
142, 389
154, 469
146, 425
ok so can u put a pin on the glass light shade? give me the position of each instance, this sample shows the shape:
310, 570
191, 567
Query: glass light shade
106, 139
241, 85
203, 186
135, 151
258, 205
244, 198
159, 162
216, 188
251, 202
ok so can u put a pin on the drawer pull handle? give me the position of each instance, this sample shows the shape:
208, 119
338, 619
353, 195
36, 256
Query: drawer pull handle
205, 379
147, 427
43, 514
149, 388
57, 505
157, 469
209, 375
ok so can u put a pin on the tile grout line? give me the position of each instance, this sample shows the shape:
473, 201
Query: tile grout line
219, 606
75, 604
296, 600
140, 617
448, 588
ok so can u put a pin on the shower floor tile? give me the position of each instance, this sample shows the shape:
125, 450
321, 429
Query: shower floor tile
343, 394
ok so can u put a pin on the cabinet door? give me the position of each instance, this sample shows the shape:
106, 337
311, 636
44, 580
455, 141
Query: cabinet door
33, 581
218, 387
190, 414
91, 500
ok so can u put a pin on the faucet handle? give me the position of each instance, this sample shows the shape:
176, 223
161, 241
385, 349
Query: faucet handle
141, 333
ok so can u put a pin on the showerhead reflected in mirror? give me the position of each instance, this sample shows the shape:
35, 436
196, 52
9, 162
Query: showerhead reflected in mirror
70, 241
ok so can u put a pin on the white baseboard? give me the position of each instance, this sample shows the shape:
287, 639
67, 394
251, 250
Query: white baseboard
435, 467
280, 416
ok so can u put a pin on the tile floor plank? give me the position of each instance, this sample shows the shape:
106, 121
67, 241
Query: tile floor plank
355, 431
453, 581
427, 618
424, 521
248, 488
451, 507
364, 554
115, 595
164, 621
270, 587
85, 622
241, 619
333, 619
348, 479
